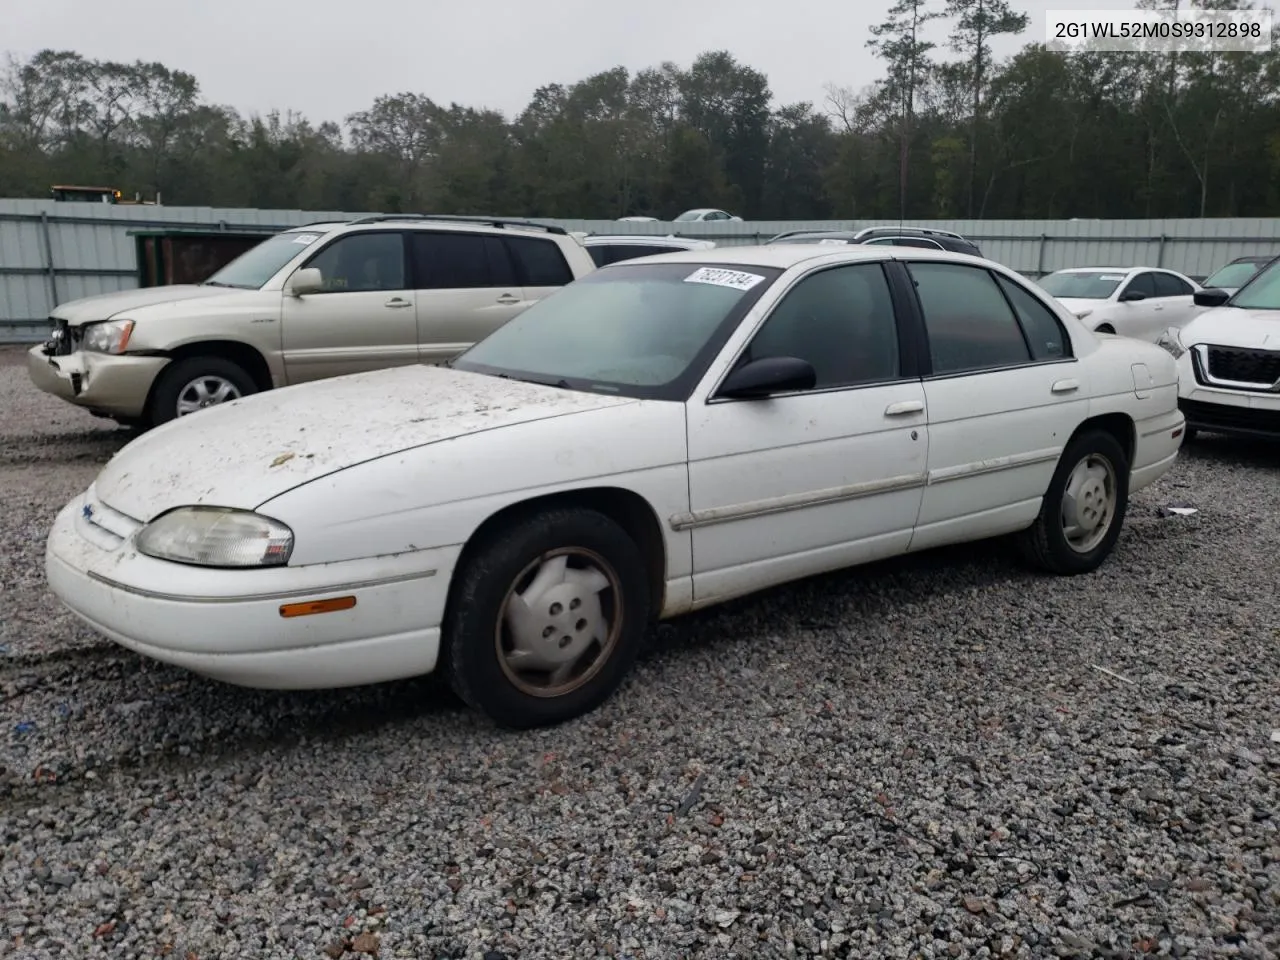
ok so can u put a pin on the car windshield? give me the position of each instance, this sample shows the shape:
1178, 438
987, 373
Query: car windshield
1081, 285
257, 265
1233, 274
645, 330
1262, 292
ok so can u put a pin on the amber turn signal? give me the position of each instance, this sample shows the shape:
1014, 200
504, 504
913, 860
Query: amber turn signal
317, 606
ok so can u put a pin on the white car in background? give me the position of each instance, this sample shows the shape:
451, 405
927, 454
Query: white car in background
607, 249
1229, 360
1138, 302
707, 215
659, 436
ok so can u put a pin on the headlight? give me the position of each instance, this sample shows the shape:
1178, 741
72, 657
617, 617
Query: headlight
217, 537
109, 337
1171, 340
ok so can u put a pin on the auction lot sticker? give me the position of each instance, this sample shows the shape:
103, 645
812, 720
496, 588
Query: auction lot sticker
734, 279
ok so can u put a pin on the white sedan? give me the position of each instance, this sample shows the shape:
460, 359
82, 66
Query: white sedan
1139, 302
657, 437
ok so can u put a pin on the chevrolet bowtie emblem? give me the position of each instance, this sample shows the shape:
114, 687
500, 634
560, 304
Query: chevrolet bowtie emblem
87, 512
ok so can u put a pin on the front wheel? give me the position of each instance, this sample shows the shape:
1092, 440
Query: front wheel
1083, 509
546, 618
189, 385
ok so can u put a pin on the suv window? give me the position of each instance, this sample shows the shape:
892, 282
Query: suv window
539, 262
459, 261
1167, 285
841, 321
1142, 283
1044, 332
968, 320
362, 262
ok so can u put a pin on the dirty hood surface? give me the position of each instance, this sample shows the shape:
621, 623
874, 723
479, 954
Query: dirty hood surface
106, 305
248, 451
1235, 327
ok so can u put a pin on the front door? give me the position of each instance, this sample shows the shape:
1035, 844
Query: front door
799, 483
362, 320
1004, 396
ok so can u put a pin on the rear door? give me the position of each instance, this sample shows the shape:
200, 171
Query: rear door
1004, 395
540, 266
364, 317
467, 287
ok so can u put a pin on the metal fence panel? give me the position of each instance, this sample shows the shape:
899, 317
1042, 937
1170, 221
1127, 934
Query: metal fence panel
52, 252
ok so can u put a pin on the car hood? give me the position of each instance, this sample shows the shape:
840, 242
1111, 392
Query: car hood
106, 305
1234, 327
247, 452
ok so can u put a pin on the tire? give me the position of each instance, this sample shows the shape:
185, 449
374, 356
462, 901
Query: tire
479, 642
177, 383
1045, 544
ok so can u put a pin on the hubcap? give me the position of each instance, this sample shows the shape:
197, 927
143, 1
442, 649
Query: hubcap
205, 392
1089, 503
560, 622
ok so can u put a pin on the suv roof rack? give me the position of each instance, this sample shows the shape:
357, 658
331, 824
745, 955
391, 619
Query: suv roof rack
456, 218
906, 231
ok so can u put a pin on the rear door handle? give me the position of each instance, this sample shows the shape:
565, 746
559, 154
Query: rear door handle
507, 298
903, 407
1066, 386
397, 302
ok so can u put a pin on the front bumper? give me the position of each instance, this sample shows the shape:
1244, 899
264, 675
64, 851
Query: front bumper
109, 385
227, 624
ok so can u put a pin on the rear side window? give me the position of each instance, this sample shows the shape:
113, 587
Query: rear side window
459, 261
539, 262
968, 320
1167, 285
1045, 334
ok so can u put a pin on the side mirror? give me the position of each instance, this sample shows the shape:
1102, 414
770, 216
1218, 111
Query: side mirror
769, 375
1131, 295
310, 280
1210, 297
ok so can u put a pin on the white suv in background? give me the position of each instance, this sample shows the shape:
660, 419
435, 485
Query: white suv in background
311, 302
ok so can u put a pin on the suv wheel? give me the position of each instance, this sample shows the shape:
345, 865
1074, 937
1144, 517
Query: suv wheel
192, 384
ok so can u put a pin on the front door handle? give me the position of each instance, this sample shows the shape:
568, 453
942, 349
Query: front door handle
508, 299
903, 407
1066, 386
397, 302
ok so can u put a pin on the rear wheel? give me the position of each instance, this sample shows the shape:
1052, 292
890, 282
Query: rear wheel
546, 618
195, 383
1083, 509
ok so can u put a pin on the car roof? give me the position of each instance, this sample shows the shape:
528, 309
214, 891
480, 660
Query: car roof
783, 256
599, 238
1104, 269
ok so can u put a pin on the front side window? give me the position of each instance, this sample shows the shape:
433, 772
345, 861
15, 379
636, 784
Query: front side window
840, 321
969, 323
260, 263
642, 330
362, 262
1143, 283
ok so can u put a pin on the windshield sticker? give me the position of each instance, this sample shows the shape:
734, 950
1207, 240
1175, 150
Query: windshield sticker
734, 279
827, 241
1107, 276
306, 238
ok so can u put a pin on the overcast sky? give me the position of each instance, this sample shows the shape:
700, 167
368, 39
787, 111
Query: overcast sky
328, 58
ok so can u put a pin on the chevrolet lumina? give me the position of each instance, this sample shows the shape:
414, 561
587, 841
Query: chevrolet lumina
657, 437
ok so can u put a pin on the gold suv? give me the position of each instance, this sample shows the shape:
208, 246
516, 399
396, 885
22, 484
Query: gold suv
312, 302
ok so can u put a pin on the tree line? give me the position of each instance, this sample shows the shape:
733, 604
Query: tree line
1042, 134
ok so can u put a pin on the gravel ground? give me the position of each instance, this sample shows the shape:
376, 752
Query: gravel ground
918, 759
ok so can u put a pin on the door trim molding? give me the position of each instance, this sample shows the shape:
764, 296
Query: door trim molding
979, 468
795, 501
